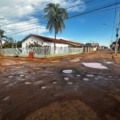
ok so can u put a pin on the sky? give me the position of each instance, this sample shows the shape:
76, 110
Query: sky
97, 27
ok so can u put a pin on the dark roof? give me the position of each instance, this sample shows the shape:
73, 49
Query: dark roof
53, 40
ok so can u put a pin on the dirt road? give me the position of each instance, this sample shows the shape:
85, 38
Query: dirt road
41, 91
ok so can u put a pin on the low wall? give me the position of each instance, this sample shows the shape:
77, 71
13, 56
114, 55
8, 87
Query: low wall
40, 52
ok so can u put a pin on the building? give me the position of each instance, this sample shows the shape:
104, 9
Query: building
3, 42
60, 44
95, 46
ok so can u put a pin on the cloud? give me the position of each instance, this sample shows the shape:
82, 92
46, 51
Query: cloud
19, 10
24, 28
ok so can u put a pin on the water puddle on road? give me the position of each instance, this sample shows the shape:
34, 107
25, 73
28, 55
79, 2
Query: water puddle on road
68, 71
95, 65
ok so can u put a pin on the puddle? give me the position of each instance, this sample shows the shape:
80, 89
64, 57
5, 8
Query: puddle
95, 65
108, 62
68, 71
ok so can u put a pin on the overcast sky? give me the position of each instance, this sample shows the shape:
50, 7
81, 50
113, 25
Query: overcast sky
86, 28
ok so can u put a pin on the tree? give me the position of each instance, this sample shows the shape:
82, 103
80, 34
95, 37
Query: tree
113, 45
19, 44
7, 44
55, 16
1, 36
88, 44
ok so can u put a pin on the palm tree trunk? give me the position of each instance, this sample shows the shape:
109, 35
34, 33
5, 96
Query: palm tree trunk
1, 40
54, 43
116, 44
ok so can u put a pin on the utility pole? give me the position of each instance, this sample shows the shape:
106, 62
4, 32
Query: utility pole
117, 31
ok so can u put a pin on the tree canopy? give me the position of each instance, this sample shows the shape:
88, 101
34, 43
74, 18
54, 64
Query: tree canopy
55, 16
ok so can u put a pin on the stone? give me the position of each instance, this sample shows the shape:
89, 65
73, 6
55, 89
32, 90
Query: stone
27, 83
38, 82
85, 79
96, 78
22, 75
54, 82
43, 87
70, 83
11, 76
90, 75
110, 76
6, 98
69, 71
66, 78
78, 75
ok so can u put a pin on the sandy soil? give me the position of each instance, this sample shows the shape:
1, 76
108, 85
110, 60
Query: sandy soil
41, 91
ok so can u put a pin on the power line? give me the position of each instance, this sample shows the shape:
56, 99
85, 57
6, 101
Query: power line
97, 9
43, 16
28, 24
44, 22
18, 22
25, 31
66, 8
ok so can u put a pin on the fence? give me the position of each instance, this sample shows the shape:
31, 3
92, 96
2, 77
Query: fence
40, 51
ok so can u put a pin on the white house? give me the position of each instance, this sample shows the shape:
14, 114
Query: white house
60, 44
95, 46
3, 42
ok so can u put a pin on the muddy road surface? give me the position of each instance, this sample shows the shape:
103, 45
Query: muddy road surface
62, 89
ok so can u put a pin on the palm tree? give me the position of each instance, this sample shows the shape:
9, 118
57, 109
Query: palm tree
55, 16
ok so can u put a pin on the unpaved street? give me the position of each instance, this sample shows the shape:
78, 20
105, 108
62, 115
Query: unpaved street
42, 91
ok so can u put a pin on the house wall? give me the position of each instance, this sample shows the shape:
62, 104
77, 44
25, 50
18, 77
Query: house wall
3, 42
31, 40
60, 48
95, 49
